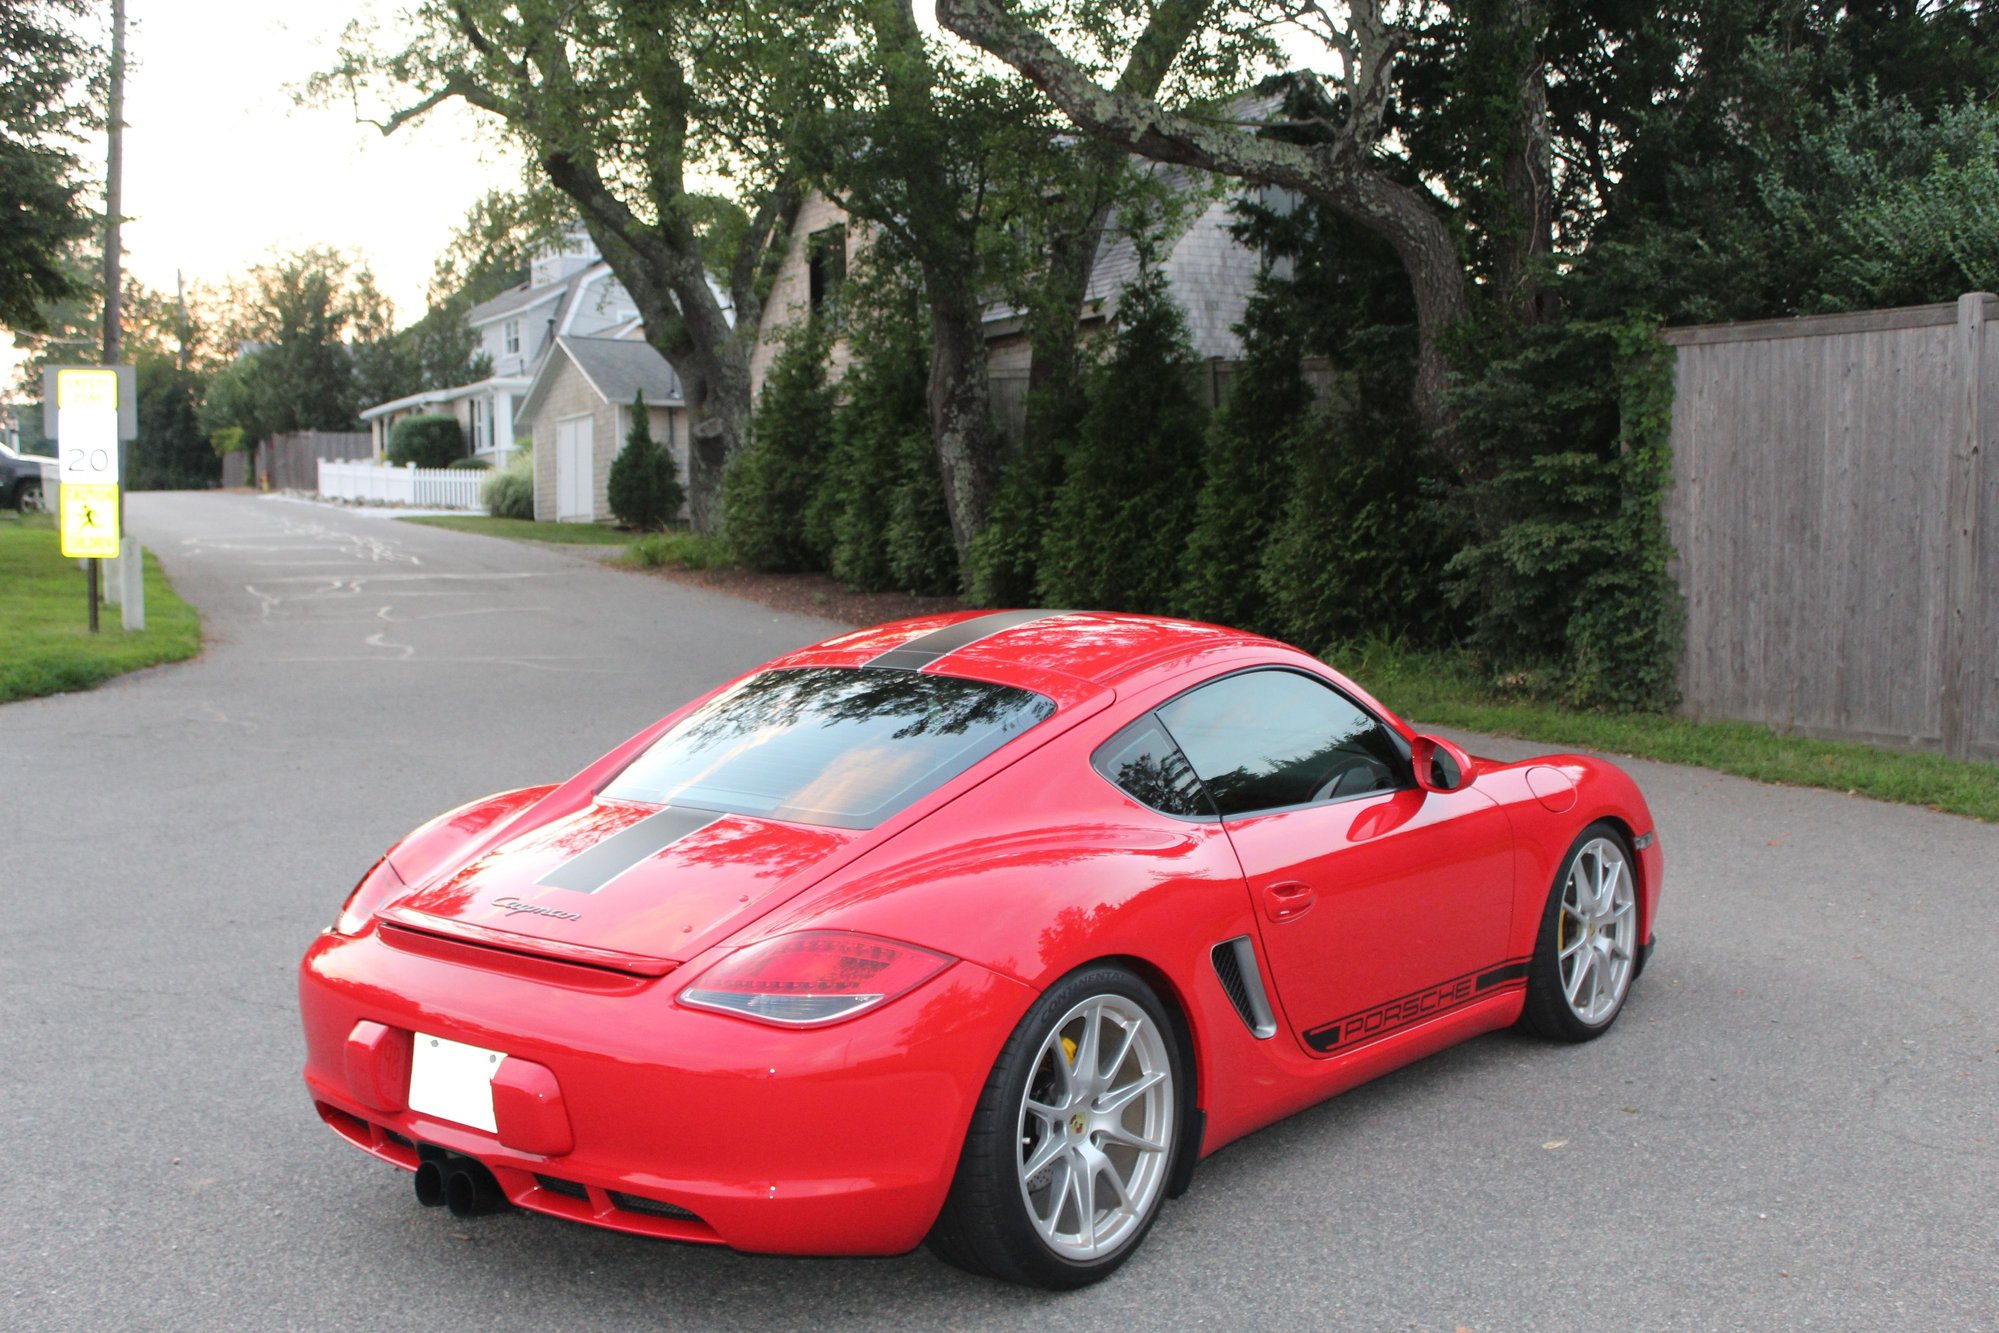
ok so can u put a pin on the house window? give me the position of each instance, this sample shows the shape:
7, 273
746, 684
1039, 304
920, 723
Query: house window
826, 259
482, 427
510, 336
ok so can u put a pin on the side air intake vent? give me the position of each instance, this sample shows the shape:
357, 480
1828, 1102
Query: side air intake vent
1242, 981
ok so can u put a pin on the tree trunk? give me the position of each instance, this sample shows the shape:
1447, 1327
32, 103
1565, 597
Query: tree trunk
1429, 254
719, 415
961, 418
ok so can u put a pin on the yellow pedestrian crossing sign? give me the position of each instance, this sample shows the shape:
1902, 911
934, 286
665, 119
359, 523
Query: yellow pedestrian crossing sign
89, 520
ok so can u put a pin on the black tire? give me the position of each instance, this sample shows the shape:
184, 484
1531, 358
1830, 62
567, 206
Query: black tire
28, 497
985, 1226
1549, 1012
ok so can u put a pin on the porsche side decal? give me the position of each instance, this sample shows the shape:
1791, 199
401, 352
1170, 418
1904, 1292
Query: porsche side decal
1425, 1003
587, 872
924, 649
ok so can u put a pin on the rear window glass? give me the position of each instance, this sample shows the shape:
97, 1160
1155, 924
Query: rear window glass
840, 746
1143, 761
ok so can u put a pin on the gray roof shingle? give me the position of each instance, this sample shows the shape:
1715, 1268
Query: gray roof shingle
623, 367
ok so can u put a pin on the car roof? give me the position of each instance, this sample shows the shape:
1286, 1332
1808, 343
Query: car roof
1068, 655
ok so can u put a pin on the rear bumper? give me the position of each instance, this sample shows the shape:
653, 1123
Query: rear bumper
684, 1125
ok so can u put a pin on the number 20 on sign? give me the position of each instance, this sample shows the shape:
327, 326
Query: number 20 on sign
87, 463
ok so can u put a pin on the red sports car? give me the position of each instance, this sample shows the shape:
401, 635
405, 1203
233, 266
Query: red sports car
980, 928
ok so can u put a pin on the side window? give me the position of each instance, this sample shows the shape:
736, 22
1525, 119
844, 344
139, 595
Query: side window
1144, 763
1263, 740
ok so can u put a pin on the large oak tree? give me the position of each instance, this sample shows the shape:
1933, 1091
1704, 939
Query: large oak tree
621, 107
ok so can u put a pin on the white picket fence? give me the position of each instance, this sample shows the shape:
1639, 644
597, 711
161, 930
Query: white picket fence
427, 487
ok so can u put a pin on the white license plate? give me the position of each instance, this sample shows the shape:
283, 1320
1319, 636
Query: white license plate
453, 1081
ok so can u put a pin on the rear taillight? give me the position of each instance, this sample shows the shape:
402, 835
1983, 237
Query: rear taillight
380, 884
814, 977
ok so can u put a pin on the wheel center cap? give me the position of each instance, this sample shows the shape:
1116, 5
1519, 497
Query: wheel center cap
1076, 1123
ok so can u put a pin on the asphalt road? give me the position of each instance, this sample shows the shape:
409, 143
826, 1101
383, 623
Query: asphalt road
1795, 1124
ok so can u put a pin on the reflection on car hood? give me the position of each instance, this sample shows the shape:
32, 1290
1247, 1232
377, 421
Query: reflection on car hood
624, 884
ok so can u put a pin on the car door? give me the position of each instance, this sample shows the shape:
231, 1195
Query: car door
1380, 904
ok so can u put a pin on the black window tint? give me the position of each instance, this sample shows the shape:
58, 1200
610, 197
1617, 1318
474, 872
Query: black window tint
842, 746
1265, 739
1143, 761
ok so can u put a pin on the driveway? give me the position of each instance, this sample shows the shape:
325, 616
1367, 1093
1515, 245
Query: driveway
1793, 1125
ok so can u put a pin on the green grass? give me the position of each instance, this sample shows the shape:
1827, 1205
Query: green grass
676, 550
528, 530
46, 646
1436, 689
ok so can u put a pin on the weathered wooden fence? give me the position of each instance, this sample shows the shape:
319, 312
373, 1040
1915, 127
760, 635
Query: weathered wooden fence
435, 488
1835, 508
291, 462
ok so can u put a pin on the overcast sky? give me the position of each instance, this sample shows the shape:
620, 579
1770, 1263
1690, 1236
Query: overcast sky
221, 168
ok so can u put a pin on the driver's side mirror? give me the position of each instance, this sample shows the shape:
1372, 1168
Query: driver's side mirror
1440, 765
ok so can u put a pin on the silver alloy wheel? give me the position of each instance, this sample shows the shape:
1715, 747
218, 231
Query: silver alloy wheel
29, 498
1094, 1127
1597, 936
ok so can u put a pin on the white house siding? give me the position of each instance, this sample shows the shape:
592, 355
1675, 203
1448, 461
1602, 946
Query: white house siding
569, 395
790, 297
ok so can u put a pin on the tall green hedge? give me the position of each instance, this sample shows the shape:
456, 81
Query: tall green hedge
1115, 533
769, 487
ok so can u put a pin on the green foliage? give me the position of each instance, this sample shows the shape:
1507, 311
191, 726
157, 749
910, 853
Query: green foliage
879, 509
644, 487
1249, 469
469, 465
677, 550
509, 492
770, 485
1120, 519
1006, 553
172, 452
1562, 578
429, 439
45, 76
1353, 551
298, 314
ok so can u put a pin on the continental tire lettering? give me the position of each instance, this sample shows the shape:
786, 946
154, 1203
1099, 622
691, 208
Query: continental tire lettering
1418, 1005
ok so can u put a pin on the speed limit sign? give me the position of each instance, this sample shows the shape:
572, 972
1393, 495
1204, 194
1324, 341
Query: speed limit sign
87, 426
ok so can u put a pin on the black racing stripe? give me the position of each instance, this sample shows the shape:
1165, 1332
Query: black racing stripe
587, 872
924, 649
1500, 975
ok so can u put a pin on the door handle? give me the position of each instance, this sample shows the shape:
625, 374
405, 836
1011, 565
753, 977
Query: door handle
1288, 902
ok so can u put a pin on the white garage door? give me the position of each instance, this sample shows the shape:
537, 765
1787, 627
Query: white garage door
572, 469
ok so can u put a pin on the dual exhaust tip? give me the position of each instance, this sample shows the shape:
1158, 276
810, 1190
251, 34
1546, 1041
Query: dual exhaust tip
459, 1184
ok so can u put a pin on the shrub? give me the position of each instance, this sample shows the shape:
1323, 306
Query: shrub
509, 491
470, 464
879, 508
644, 487
1351, 553
676, 550
428, 440
770, 485
1249, 470
1114, 537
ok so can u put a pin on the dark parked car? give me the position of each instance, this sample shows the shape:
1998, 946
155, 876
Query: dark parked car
21, 479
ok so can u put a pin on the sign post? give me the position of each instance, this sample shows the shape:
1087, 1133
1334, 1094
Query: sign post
89, 404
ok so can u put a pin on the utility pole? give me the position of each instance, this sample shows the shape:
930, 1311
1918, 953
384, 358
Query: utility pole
180, 321
114, 191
